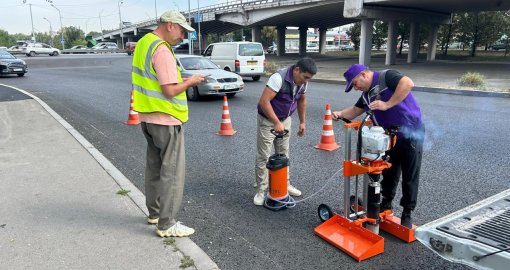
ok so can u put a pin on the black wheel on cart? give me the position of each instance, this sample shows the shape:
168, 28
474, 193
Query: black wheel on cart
324, 212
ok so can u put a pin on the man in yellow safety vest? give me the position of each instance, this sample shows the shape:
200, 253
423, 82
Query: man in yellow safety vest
159, 94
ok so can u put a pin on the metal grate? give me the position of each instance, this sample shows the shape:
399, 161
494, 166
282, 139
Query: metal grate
488, 225
496, 229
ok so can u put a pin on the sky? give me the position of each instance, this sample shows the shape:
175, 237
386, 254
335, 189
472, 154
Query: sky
85, 14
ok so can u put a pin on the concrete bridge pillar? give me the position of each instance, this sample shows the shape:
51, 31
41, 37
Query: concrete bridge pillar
391, 43
256, 33
413, 42
280, 40
367, 27
431, 52
322, 40
302, 40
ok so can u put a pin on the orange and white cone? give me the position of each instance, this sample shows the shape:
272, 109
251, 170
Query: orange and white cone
133, 116
226, 125
327, 141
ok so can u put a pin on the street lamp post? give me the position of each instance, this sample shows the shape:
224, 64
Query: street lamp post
199, 33
61, 28
101, 25
121, 26
156, 10
190, 42
32, 20
51, 31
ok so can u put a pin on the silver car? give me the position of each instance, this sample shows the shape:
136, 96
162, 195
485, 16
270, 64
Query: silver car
218, 81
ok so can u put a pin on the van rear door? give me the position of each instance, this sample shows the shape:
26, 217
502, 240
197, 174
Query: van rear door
251, 59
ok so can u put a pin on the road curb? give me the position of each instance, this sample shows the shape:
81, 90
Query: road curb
475, 93
185, 245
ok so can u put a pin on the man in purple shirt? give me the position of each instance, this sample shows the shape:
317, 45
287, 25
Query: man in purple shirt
285, 92
387, 94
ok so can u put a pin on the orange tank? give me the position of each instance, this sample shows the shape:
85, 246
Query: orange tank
278, 183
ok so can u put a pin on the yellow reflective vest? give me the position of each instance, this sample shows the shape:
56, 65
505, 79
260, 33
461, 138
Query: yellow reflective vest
147, 94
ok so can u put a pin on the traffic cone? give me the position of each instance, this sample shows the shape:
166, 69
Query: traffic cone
133, 116
327, 141
226, 126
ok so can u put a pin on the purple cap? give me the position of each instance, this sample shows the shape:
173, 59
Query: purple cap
352, 72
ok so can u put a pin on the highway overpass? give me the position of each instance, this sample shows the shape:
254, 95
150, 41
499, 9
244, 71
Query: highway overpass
324, 14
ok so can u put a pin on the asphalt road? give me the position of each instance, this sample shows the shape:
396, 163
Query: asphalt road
465, 160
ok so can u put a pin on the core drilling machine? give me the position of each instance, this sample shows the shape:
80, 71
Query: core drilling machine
277, 165
356, 231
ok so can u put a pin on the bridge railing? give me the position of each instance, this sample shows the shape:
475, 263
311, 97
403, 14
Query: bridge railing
222, 7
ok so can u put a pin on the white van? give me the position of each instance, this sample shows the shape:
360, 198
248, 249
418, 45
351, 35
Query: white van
244, 58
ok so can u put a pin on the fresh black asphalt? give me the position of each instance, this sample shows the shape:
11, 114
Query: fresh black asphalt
465, 160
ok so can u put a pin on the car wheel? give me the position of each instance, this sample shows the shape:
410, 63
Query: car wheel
231, 94
32, 53
20, 74
256, 78
55, 53
192, 93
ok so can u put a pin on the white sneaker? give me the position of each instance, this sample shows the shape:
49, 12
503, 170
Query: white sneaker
153, 221
259, 198
178, 230
293, 191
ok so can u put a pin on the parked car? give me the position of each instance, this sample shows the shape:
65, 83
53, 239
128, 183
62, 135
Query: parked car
15, 49
218, 81
105, 46
272, 49
499, 46
347, 47
9, 64
130, 48
244, 58
79, 47
33, 49
181, 48
312, 47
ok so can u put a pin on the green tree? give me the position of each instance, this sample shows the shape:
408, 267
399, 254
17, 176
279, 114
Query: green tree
445, 33
238, 35
93, 33
19, 36
5, 38
380, 34
44, 38
268, 35
481, 28
355, 32
493, 25
211, 38
423, 37
72, 36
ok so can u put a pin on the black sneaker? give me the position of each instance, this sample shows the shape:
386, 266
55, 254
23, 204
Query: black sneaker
406, 220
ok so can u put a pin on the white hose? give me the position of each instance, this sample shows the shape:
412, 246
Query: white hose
291, 203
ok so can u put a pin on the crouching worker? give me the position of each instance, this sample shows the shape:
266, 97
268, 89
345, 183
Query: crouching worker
387, 94
285, 92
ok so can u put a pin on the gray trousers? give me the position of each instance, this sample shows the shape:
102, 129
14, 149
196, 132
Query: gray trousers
265, 142
164, 172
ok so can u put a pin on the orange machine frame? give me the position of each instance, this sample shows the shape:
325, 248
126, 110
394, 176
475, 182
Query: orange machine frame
350, 235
